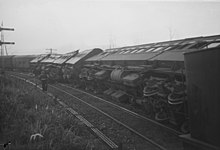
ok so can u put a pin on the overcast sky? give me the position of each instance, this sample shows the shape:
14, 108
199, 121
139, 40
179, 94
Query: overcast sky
68, 25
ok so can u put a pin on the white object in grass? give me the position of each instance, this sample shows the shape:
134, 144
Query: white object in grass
34, 136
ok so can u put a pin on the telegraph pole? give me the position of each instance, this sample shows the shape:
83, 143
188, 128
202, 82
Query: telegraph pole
2, 42
51, 50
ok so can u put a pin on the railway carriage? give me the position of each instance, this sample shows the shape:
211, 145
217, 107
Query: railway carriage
22, 62
76, 63
36, 65
61, 68
151, 75
203, 78
16, 62
50, 68
6, 62
38, 59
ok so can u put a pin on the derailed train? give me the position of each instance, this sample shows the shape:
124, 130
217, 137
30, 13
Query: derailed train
150, 75
19, 62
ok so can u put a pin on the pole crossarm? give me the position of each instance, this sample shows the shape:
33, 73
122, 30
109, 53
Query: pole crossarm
1, 43
51, 50
8, 29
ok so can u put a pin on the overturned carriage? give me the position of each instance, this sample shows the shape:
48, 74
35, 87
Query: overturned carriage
73, 66
150, 75
61, 71
53, 65
35, 64
22, 62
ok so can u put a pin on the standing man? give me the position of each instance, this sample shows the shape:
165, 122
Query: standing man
44, 78
2, 79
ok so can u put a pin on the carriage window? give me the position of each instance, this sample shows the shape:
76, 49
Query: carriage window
157, 49
173, 47
183, 46
167, 48
140, 50
121, 52
129, 48
151, 49
104, 53
197, 45
134, 51
210, 40
212, 45
126, 52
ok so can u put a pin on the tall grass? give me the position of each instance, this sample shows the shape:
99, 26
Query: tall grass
32, 120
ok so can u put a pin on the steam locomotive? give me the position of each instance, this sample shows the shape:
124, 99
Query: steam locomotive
149, 75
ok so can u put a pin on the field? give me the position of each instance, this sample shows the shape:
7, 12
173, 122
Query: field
31, 120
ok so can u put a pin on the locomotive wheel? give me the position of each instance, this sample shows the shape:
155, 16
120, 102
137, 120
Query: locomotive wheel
175, 98
161, 116
150, 93
185, 127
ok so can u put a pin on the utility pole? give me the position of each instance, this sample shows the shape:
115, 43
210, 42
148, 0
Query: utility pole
2, 42
171, 33
51, 50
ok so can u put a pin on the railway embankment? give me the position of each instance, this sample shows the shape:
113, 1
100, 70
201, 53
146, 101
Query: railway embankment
30, 119
73, 98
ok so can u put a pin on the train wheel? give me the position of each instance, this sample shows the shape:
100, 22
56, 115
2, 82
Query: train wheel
185, 127
161, 116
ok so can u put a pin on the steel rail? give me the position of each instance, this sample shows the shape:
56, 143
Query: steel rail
126, 110
116, 120
119, 122
96, 131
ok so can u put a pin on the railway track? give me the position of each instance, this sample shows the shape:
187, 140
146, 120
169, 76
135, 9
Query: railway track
160, 136
174, 131
124, 109
105, 139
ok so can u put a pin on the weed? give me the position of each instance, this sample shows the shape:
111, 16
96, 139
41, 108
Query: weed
32, 120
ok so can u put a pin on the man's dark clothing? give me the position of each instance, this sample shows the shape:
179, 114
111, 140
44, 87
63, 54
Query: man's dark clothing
43, 78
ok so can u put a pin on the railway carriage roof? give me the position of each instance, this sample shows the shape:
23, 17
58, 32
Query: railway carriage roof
167, 51
18, 56
51, 58
39, 58
25, 57
176, 54
8, 56
170, 56
139, 56
65, 57
78, 57
84, 55
100, 56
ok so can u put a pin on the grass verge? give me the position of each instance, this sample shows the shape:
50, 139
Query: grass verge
32, 120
